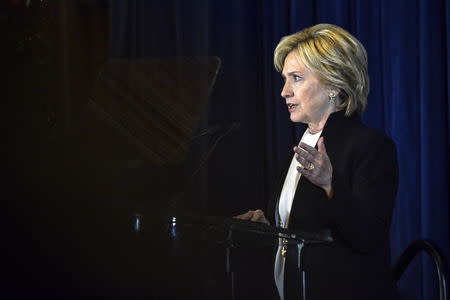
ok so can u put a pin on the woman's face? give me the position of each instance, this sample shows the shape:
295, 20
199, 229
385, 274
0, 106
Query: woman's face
306, 97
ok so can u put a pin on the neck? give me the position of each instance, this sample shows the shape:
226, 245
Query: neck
315, 127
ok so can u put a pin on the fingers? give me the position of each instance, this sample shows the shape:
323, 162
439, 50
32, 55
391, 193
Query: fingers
307, 154
315, 164
304, 163
254, 216
303, 154
257, 215
321, 146
306, 172
247, 216
308, 148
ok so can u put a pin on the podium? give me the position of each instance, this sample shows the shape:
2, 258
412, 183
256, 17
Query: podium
227, 234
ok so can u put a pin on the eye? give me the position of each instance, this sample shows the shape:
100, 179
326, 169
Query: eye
296, 77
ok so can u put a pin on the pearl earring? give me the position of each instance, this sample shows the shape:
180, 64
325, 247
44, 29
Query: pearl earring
332, 96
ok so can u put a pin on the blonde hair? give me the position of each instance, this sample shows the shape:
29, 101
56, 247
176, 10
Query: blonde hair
336, 57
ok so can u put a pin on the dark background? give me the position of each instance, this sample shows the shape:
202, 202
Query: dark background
72, 183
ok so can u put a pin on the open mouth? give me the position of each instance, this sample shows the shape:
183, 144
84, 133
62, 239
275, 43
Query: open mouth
291, 106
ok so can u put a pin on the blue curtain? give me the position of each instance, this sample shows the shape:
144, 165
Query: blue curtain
409, 51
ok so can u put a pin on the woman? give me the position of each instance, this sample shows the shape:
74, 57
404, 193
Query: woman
343, 175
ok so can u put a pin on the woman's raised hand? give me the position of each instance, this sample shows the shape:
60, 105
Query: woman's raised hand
316, 165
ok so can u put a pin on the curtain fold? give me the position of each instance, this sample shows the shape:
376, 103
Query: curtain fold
409, 52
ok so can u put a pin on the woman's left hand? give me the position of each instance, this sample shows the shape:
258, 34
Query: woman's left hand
316, 165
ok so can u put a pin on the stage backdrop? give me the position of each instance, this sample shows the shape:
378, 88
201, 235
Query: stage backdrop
408, 48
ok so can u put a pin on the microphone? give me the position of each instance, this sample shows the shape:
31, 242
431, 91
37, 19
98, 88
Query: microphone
208, 131
216, 128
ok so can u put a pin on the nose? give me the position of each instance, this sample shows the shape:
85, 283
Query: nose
286, 92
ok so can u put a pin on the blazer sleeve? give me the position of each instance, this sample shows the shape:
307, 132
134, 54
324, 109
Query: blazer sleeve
360, 211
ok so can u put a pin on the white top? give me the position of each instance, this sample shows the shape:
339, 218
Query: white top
285, 204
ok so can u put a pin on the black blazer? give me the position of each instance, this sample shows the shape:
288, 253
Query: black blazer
365, 179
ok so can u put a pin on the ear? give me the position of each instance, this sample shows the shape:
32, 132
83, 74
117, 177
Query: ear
332, 90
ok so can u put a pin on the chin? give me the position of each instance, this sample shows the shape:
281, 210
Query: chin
297, 119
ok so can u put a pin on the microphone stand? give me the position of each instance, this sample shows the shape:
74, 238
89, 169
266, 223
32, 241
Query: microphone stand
179, 196
174, 203
229, 270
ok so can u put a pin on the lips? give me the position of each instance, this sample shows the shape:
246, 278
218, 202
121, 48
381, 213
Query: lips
291, 106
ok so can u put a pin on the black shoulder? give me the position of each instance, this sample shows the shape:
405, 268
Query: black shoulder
346, 137
371, 135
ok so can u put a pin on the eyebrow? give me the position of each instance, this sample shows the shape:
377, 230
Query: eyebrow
292, 73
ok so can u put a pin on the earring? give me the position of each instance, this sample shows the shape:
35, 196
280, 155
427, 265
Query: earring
331, 96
